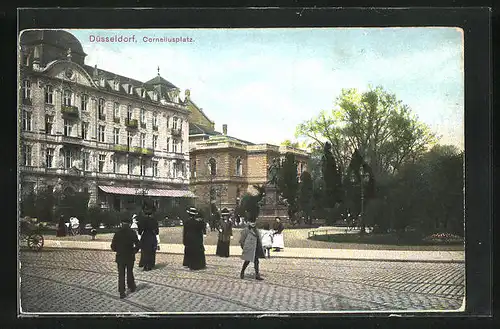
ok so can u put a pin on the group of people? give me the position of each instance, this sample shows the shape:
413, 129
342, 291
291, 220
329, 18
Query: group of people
143, 235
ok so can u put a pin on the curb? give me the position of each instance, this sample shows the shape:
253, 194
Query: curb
444, 261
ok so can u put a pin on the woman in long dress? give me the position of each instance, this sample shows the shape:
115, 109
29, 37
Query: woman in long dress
61, 227
149, 231
278, 241
225, 235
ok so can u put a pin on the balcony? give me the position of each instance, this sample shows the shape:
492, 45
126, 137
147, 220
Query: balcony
69, 110
69, 140
120, 148
131, 123
141, 150
176, 132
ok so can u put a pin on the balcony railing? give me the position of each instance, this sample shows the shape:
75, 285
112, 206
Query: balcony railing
131, 123
141, 150
69, 110
120, 148
176, 132
69, 140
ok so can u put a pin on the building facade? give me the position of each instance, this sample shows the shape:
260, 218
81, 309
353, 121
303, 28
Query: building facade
87, 129
223, 168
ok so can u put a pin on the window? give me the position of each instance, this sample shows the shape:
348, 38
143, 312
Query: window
130, 89
212, 166
49, 123
116, 135
86, 161
143, 93
180, 146
238, 167
155, 168
129, 112
100, 108
155, 120
26, 59
168, 122
116, 167
129, 166
168, 144
129, 138
85, 102
49, 94
143, 117
102, 160
143, 140
85, 130
194, 168
27, 155
68, 158
68, 127
26, 120
155, 142
143, 167
49, 158
174, 145
100, 133
67, 94
27, 89
116, 111
174, 123
117, 85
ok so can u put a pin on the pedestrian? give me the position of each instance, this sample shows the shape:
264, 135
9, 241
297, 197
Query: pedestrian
278, 241
149, 231
61, 227
126, 245
194, 251
225, 235
135, 225
267, 239
214, 218
251, 245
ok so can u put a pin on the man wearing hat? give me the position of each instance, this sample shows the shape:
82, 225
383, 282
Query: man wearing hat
225, 234
126, 244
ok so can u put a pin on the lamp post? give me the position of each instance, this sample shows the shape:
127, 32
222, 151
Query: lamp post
364, 179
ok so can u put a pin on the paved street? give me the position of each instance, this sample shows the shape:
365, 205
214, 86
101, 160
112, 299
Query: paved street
60, 280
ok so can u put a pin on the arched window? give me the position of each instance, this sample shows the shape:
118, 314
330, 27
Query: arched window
67, 97
212, 165
239, 167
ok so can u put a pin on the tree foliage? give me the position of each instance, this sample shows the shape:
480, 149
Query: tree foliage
376, 123
305, 198
288, 183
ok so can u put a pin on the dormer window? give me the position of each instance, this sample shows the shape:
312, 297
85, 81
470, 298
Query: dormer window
155, 96
102, 82
130, 89
117, 85
143, 93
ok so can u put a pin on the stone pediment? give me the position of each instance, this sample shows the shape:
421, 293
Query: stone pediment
70, 72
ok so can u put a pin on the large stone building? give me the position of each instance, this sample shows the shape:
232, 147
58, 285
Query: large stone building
86, 129
223, 167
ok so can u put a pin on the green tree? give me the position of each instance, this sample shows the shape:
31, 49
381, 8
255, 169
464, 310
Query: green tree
288, 184
306, 195
332, 177
376, 123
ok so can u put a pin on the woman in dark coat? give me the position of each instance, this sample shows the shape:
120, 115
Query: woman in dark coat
252, 250
195, 229
148, 230
61, 227
225, 235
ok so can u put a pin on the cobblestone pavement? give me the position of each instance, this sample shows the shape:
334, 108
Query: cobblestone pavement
86, 281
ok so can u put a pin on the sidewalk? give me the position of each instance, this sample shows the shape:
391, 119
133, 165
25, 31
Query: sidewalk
312, 253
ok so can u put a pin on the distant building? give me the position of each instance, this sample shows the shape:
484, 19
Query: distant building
227, 166
86, 129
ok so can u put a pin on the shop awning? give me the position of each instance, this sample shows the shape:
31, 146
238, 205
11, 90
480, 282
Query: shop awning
148, 192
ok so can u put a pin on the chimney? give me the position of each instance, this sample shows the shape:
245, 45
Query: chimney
224, 129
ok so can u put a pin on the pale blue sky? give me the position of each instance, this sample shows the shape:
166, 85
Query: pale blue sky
264, 82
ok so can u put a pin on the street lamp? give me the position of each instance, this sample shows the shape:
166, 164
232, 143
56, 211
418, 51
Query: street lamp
365, 177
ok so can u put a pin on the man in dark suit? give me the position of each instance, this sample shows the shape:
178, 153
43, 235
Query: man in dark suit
126, 244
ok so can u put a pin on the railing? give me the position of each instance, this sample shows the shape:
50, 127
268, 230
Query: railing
69, 110
141, 150
120, 148
131, 123
69, 140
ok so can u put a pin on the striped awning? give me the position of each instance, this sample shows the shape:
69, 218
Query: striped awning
148, 192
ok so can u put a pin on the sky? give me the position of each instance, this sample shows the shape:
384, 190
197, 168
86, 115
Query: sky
262, 83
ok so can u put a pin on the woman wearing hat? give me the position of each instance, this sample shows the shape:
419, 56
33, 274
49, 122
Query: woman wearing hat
149, 232
225, 235
194, 251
